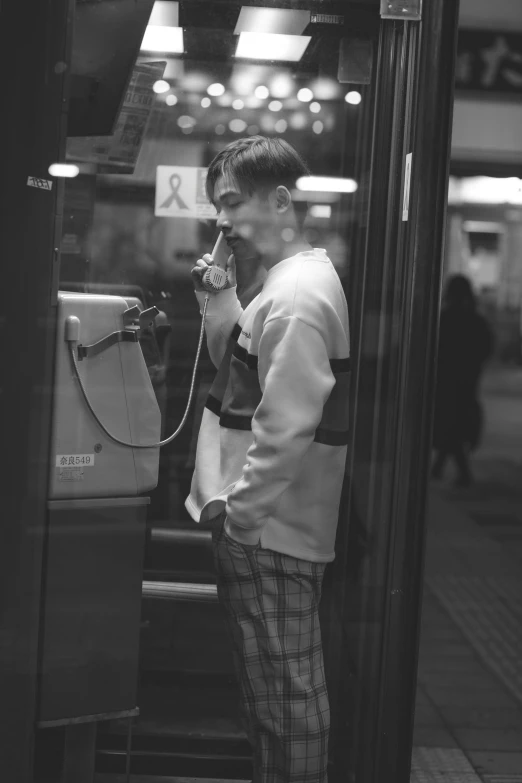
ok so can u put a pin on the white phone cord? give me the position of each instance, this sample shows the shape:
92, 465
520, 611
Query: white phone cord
191, 394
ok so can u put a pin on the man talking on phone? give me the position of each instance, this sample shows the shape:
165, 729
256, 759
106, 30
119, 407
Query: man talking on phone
271, 453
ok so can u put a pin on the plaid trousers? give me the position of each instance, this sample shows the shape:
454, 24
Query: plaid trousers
271, 607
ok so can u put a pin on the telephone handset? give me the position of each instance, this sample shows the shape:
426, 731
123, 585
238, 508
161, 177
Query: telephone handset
215, 277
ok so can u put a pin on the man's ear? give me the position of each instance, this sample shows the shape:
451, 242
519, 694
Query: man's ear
283, 198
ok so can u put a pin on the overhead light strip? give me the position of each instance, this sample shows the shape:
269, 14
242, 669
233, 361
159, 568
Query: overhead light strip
272, 46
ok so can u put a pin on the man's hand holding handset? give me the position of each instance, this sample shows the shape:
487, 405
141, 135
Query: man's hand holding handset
216, 270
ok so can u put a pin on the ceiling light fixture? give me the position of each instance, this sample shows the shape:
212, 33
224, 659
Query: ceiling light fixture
271, 20
327, 184
63, 170
166, 40
272, 46
163, 33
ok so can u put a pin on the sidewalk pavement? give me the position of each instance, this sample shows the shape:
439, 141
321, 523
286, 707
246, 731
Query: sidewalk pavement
468, 722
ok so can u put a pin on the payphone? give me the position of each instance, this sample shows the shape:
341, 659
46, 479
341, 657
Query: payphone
109, 375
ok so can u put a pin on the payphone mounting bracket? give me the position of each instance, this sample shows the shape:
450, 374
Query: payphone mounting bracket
134, 321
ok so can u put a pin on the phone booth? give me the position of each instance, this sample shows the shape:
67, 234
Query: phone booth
116, 659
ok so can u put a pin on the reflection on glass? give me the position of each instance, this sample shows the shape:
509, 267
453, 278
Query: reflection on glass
119, 239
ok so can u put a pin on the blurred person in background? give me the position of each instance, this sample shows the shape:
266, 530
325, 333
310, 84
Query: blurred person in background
465, 344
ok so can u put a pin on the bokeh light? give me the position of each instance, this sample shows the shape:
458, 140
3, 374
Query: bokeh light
305, 95
161, 86
186, 121
237, 125
261, 92
353, 97
215, 89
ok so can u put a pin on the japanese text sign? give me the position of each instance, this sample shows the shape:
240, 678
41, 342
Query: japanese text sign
489, 60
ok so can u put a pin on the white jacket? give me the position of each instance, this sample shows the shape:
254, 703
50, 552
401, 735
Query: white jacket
272, 442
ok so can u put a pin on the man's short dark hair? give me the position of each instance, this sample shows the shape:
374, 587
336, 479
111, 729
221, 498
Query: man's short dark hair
257, 162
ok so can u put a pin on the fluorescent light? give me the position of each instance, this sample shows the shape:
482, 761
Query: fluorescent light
215, 89
167, 40
164, 14
305, 95
237, 104
482, 226
275, 105
485, 190
321, 211
205, 102
281, 126
315, 107
63, 170
323, 196
161, 86
272, 46
327, 184
171, 100
317, 127
271, 20
353, 97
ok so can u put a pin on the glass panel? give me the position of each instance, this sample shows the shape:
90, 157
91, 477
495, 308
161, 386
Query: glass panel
144, 125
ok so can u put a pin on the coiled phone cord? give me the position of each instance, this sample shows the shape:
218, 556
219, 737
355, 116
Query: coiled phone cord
189, 403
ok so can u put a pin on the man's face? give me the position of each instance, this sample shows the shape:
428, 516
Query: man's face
247, 220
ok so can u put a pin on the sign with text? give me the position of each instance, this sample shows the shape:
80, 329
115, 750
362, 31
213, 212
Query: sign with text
180, 192
489, 61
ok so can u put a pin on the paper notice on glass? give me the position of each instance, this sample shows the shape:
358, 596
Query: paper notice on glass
120, 151
180, 192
